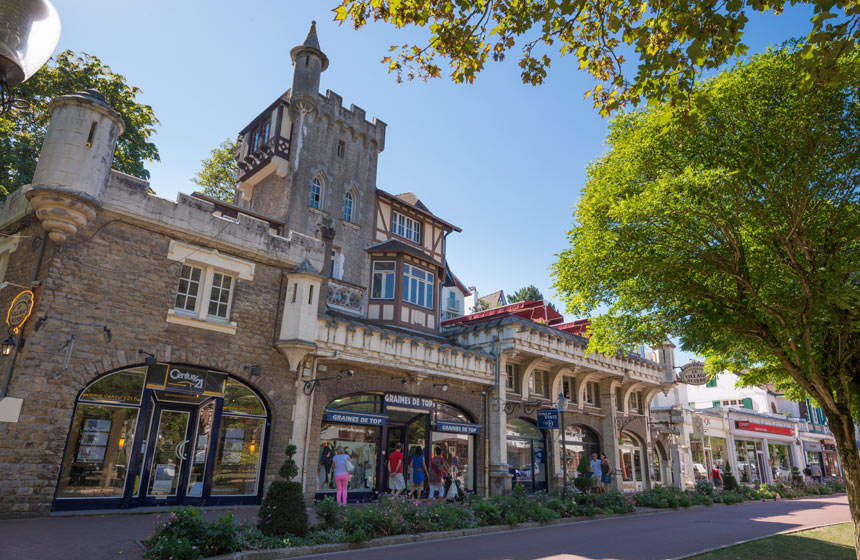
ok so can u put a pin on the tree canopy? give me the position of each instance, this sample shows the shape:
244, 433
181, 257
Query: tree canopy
737, 231
528, 293
22, 131
217, 174
669, 43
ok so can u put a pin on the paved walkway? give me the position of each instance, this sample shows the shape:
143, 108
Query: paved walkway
641, 537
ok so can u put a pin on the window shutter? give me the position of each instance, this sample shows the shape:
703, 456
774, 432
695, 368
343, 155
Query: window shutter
748, 403
712, 383
821, 419
716, 404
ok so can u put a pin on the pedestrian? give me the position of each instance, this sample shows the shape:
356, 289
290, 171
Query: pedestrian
717, 477
605, 472
816, 472
595, 473
419, 469
325, 465
438, 473
343, 465
395, 470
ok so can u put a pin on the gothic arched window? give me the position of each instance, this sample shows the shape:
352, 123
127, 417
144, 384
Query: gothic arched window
316, 192
348, 206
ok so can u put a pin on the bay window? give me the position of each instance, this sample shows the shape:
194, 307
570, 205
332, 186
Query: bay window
418, 286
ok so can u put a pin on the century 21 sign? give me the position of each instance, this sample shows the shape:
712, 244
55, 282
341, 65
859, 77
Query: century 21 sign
183, 379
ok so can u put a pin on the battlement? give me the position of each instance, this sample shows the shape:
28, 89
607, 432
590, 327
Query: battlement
354, 118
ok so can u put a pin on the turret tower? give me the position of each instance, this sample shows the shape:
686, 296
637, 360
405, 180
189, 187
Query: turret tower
309, 62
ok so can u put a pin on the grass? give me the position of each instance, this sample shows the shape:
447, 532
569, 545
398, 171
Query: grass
835, 542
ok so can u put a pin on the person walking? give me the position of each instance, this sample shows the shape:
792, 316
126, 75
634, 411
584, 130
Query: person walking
419, 470
816, 472
438, 472
595, 473
395, 470
342, 467
717, 477
605, 472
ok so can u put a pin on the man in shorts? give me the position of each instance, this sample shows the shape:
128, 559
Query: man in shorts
395, 470
595, 473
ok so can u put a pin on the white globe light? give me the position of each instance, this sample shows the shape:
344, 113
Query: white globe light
28, 36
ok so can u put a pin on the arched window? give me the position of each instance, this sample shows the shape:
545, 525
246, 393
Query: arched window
348, 204
316, 192
579, 442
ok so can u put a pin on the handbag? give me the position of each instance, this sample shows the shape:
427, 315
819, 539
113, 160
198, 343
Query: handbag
350, 468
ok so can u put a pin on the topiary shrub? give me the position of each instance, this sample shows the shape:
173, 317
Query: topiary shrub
283, 511
730, 483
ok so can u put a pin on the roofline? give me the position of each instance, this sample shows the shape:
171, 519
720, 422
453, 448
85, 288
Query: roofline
420, 211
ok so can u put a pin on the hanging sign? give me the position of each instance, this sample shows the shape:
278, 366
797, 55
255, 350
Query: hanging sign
19, 310
694, 373
350, 417
547, 419
186, 380
408, 401
458, 427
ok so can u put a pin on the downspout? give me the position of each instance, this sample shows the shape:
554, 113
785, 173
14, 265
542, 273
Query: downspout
7, 377
487, 417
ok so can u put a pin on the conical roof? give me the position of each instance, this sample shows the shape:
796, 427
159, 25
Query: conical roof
311, 44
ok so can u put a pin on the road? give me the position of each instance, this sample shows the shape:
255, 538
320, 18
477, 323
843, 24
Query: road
654, 536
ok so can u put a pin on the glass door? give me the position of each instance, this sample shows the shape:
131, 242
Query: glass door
167, 455
393, 437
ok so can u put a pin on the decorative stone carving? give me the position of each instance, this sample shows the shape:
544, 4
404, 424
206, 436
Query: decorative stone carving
345, 297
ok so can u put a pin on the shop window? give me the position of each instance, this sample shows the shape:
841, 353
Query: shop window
539, 383
240, 399
780, 462
459, 452
382, 284
749, 466
359, 402
449, 413
418, 286
512, 377
580, 441
527, 458
124, 387
361, 443
406, 227
237, 463
592, 394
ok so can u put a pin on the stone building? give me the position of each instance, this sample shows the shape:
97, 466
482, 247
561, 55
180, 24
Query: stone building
166, 352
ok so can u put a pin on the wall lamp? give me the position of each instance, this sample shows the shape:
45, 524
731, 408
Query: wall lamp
311, 385
443, 386
150, 358
9, 344
255, 369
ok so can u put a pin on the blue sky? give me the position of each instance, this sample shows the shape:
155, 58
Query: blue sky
503, 160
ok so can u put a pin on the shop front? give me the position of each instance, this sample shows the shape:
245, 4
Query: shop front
527, 456
368, 427
781, 462
579, 442
830, 467
164, 435
770, 451
707, 453
631, 463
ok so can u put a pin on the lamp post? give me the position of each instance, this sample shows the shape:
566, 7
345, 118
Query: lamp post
561, 407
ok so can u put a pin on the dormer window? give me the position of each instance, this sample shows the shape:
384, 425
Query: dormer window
406, 227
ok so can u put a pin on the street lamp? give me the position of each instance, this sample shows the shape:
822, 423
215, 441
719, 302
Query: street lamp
8, 345
561, 407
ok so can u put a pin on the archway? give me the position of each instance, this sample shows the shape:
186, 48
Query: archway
631, 462
580, 442
527, 458
164, 435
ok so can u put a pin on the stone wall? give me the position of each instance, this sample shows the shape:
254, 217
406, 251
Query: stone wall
118, 273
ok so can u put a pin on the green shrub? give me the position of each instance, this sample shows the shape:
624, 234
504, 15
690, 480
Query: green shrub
329, 513
728, 497
730, 483
487, 512
583, 484
796, 478
283, 510
704, 487
185, 535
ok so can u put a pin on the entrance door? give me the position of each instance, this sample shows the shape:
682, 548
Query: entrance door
165, 470
394, 436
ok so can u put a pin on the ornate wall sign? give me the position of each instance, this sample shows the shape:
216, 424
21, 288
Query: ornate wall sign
19, 310
694, 373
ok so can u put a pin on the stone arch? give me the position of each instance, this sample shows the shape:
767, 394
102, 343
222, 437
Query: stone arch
648, 395
623, 406
581, 382
528, 368
557, 375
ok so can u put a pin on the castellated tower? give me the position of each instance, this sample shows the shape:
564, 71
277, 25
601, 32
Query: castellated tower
307, 159
75, 162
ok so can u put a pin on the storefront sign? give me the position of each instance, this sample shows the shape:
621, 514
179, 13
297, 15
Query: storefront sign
408, 401
19, 310
350, 417
694, 373
698, 427
458, 427
813, 446
547, 419
187, 380
753, 427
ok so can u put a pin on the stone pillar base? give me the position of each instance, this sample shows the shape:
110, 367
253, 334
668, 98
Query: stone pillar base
500, 480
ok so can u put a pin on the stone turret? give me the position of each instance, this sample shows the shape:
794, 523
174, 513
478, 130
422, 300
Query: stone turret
309, 62
74, 165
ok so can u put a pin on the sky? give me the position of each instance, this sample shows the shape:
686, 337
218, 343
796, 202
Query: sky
502, 160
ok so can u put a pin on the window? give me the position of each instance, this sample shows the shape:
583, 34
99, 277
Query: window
316, 193
452, 301
335, 264
418, 286
592, 394
406, 227
567, 388
255, 137
265, 129
539, 383
382, 286
513, 377
633, 402
204, 293
348, 202
341, 148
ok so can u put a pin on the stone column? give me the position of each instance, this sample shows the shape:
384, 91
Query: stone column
609, 428
767, 475
500, 478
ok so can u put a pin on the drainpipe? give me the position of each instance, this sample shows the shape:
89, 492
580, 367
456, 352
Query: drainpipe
487, 417
10, 366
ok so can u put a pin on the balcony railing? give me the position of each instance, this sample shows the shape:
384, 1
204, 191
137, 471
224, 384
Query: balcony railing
345, 296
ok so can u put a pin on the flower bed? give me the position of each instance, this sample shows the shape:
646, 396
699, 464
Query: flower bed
187, 536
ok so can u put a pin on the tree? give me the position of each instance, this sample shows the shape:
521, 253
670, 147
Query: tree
672, 42
283, 509
529, 293
22, 132
737, 231
217, 173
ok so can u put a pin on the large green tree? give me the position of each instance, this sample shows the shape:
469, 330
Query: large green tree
736, 230
669, 43
217, 174
22, 131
